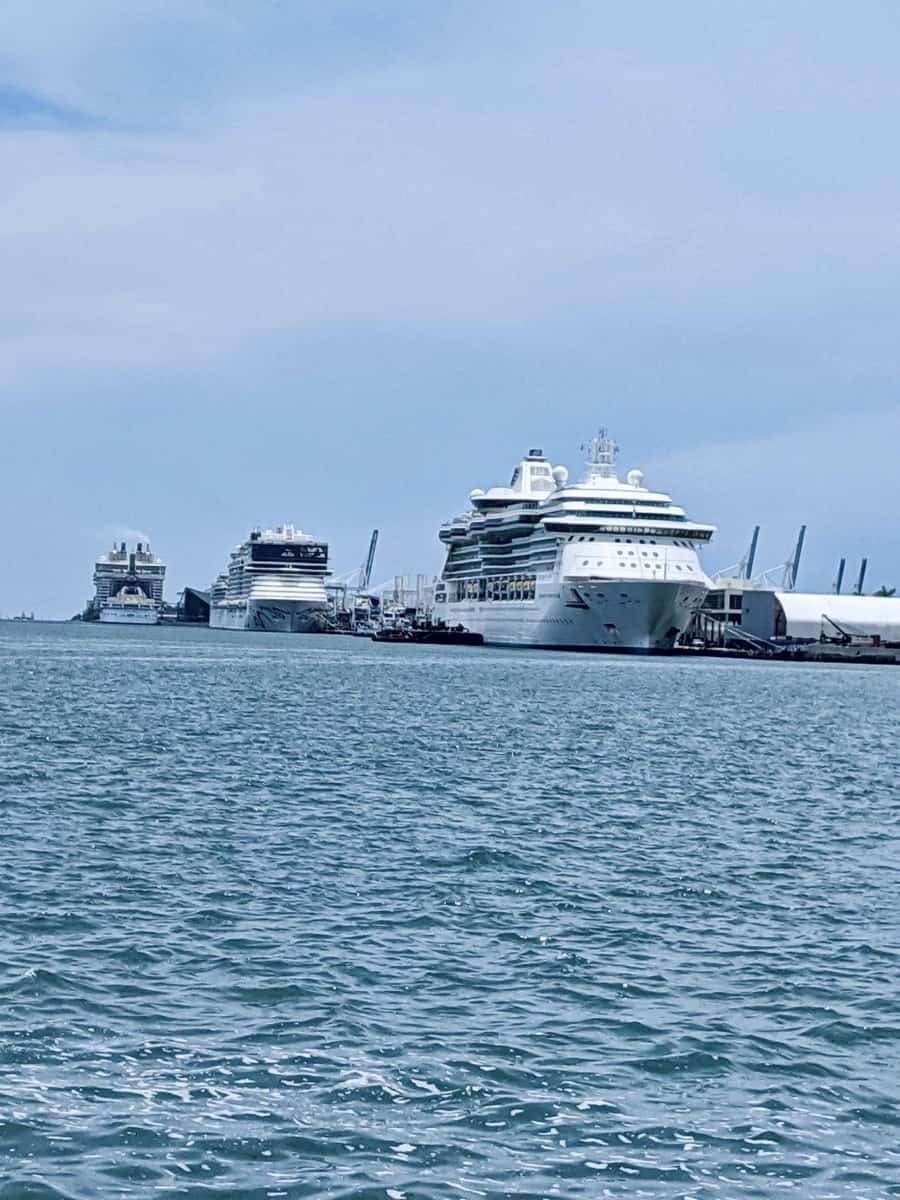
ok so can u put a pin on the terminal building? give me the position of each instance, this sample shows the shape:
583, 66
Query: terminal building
743, 612
796, 617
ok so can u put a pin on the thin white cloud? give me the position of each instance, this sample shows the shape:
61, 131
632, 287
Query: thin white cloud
838, 476
336, 208
513, 196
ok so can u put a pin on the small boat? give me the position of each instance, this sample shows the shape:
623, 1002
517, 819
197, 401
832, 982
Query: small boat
432, 635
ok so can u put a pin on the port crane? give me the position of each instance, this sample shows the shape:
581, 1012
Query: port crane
365, 573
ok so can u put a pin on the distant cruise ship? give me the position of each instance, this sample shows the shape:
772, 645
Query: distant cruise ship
275, 582
604, 564
128, 587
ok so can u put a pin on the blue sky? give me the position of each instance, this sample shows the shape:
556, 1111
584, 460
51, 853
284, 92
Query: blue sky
340, 263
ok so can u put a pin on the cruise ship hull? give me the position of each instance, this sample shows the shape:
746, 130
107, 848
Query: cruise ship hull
612, 616
268, 616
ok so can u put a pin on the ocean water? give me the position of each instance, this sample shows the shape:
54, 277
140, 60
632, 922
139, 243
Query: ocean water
309, 916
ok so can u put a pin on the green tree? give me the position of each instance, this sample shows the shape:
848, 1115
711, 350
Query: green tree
885, 591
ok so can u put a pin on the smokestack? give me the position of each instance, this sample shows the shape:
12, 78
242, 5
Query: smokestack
131, 563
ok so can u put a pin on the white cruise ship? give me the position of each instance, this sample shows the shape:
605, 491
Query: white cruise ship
604, 564
128, 586
275, 582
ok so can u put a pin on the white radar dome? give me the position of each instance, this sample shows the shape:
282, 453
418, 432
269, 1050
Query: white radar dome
635, 478
560, 475
475, 493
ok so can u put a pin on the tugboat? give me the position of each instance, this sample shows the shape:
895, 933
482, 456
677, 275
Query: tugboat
437, 634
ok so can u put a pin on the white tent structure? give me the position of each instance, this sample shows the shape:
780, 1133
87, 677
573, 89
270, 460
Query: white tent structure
807, 616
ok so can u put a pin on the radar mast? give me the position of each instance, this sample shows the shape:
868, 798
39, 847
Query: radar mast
602, 452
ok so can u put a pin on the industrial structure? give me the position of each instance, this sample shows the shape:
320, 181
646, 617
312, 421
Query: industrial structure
799, 617
765, 614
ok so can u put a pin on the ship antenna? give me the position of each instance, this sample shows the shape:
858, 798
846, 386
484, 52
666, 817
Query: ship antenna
602, 452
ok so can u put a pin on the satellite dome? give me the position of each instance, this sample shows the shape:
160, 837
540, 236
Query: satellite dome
635, 478
560, 475
475, 493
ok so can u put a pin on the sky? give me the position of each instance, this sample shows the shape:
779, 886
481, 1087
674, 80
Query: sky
338, 264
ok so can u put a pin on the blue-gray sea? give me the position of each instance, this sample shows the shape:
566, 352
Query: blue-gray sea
316, 917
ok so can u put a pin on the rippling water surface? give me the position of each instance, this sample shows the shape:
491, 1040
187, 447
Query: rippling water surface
309, 916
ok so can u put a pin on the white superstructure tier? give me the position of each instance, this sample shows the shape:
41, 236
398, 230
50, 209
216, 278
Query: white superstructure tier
275, 582
602, 564
130, 606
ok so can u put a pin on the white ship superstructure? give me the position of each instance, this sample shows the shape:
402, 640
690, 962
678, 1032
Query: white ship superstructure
275, 582
604, 564
128, 586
